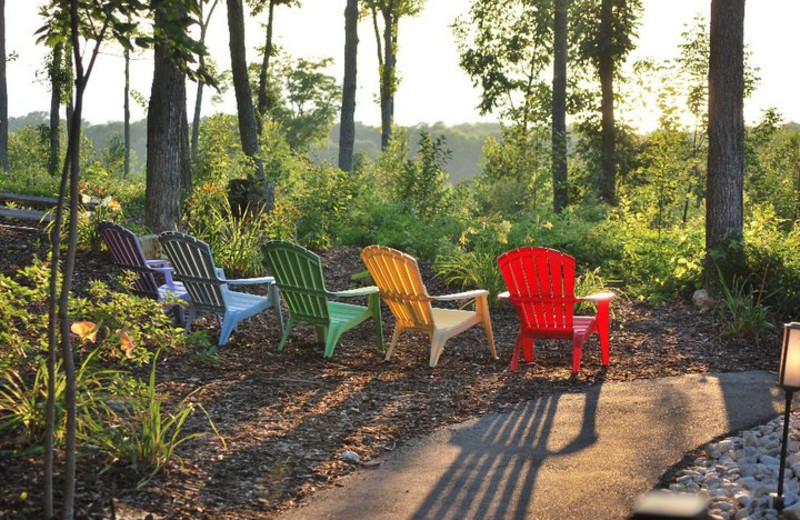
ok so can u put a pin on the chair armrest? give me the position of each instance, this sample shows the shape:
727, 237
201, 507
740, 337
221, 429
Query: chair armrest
157, 263
361, 291
466, 295
505, 295
597, 297
220, 272
251, 281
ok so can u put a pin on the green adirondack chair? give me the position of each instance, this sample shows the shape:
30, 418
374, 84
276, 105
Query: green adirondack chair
298, 275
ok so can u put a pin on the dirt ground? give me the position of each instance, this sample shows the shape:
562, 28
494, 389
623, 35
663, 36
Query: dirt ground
288, 416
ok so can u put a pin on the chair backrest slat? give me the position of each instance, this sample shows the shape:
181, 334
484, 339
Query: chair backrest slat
298, 274
541, 284
126, 251
194, 265
397, 276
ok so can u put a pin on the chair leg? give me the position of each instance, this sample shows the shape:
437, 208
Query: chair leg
577, 348
393, 342
286, 331
374, 304
437, 347
527, 348
322, 333
331, 340
603, 331
275, 298
226, 329
515, 355
482, 305
189, 319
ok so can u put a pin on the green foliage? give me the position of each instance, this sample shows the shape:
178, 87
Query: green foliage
235, 241
741, 308
323, 199
23, 401
308, 100
421, 183
219, 156
141, 432
143, 320
504, 47
517, 164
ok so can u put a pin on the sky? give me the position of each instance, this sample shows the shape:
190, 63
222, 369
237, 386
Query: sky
432, 89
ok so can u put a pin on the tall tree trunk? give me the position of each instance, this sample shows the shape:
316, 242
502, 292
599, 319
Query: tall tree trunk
186, 155
126, 108
248, 129
725, 178
264, 103
198, 100
559, 136
3, 91
608, 188
347, 125
55, 109
165, 116
387, 75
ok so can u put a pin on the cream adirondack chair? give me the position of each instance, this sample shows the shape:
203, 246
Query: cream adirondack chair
397, 276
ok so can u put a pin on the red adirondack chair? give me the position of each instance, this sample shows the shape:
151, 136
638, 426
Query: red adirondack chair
541, 286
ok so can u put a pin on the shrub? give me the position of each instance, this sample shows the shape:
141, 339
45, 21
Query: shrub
235, 241
141, 432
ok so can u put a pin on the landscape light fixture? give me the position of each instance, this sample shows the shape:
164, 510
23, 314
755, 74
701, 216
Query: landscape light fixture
789, 380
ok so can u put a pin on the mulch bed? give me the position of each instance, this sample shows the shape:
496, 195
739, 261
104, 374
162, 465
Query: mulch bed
287, 416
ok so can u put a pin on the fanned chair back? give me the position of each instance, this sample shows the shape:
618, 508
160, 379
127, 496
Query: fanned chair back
126, 251
397, 276
541, 284
298, 274
194, 266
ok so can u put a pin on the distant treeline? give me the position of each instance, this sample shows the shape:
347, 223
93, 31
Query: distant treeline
465, 141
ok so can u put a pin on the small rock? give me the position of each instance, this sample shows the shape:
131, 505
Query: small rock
350, 456
703, 300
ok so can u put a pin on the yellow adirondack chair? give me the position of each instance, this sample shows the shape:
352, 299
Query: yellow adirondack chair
397, 276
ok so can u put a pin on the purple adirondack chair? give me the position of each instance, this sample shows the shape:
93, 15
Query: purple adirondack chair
126, 250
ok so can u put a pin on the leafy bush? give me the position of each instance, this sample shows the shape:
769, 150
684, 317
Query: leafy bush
742, 309
141, 432
23, 402
235, 241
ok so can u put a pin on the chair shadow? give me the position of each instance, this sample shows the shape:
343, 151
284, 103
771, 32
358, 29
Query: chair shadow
495, 475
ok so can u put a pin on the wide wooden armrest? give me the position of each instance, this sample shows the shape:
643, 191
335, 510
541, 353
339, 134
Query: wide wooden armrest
597, 297
252, 281
466, 295
505, 295
361, 291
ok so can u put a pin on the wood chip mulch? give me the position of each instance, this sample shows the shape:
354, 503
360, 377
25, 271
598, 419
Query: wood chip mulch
288, 416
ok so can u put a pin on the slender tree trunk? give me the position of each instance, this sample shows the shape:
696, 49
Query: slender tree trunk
264, 103
387, 76
55, 109
3, 92
606, 70
126, 106
248, 129
198, 101
559, 136
186, 155
725, 178
165, 115
347, 126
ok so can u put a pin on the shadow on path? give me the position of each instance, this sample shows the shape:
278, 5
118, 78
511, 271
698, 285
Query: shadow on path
495, 475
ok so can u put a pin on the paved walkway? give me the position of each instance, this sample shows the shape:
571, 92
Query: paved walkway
559, 457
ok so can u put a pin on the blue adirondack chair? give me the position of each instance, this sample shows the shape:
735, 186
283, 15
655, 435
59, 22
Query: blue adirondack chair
209, 289
126, 251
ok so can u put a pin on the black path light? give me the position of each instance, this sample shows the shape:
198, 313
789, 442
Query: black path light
789, 380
